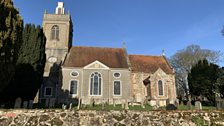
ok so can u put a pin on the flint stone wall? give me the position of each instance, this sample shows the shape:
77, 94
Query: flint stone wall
112, 118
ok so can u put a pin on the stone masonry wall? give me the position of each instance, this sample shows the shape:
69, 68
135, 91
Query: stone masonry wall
111, 118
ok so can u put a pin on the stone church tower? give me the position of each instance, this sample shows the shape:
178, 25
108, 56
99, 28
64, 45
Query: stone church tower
58, 32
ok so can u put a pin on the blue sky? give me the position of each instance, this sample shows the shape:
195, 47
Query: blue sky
146, 26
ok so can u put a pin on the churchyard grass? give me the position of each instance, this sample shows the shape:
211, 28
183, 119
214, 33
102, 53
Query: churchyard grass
185, 107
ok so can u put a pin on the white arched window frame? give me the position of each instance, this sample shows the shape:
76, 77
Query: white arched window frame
96, 84
160, 88
55, 32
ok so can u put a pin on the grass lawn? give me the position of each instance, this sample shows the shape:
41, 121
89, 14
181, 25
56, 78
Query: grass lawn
185, 107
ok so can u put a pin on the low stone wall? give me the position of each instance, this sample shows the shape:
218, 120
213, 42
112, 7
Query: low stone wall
111, 118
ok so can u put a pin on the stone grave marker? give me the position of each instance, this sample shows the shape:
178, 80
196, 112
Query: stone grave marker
142, 104
189, 106
30, 104
63, 106
114, 104
18, 103
25, 104
198, 105
177, 103
126, 105
47, 103
70, 106
52, 102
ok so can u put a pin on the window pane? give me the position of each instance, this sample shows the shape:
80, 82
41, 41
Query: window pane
99, 86
160, 86
95, 88
95, 84
91, 86
117, 88
48, 91
73, 87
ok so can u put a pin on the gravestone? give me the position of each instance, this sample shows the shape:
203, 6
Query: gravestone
126, 105
142, 105
198, 105
79, 103
30, 104
25, 104
122, 103
70, 106
114, 104
47, 102
63, 106
177, 103
189, 106
52, 102
18, 103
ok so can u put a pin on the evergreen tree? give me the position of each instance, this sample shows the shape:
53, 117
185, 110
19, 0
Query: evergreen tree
30, 63
11, 26
220, 83
202, 80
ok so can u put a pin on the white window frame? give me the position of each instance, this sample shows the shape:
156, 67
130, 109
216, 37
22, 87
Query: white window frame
72, 72
162, 89
120, 88
45, 88
117, 77
73, 95
90, 84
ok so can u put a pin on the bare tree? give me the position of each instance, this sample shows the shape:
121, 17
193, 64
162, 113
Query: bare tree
183, 60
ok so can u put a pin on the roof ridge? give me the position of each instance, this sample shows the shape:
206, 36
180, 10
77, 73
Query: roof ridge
145, 55
97, 47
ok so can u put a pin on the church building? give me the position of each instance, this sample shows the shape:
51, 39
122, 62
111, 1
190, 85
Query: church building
99, 74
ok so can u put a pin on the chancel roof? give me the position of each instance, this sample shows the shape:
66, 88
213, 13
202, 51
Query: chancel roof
149, 64
80, 56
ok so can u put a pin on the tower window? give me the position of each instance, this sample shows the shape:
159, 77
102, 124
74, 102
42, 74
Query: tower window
55, 33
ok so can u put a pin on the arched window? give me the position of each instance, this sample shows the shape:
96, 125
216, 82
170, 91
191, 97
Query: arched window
95, 83
55, 32
160, 87
73, 87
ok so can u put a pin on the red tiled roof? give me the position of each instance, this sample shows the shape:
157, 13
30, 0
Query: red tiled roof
149, 64
81, 56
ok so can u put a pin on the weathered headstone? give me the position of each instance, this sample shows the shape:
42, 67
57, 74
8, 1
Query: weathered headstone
177, 103
142, 105
126, 105
47, 103
189, 106
63, 106
114, 102
18, 103
198, 105
30, 104
52, 102
122, 104
70, 106
25, 104
79, 103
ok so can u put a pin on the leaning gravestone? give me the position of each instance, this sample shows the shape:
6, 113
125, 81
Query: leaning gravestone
30, 106
198, 105
18, 103
25, 104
